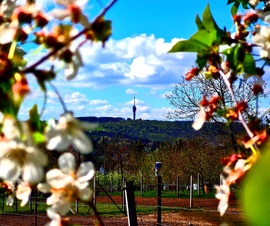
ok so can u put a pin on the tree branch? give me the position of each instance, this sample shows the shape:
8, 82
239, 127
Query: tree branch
53, 52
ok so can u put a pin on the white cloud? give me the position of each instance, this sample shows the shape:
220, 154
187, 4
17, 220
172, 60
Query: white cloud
131, 91
163, 95
139, 68
131, 102
98, 102
104, 108
75, 97
140, 60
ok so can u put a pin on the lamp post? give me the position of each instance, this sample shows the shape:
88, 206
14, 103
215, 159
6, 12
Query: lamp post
159, 186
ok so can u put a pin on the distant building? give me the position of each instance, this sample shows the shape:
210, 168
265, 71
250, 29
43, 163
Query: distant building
134, 110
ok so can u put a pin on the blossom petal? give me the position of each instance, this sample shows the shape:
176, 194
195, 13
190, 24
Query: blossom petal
54, 198
44, 187
57, 179
85, 172
10, 128
71, 70
53, 215
36, 156
199, 121
66, 162
7, 35
84, 21
85, 194
60, 142
81, 142
61, 207
9, 170
65, 3
32, 173
23, 193
61, 14
10, 200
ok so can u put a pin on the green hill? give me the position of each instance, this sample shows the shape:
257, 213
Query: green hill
156, 131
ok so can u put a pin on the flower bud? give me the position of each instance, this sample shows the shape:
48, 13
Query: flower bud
241, 106
22, 16
75, 13
20, 88
237, 19
250, 17
191, 73
257, 89
41, 20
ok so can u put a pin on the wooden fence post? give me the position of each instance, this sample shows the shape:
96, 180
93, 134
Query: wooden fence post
131, 205
191, 192
141, 185
177, 185
198, 187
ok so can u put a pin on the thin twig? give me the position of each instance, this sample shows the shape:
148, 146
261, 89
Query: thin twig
240, 116
91, 204
59, 97
53, 52
44, 104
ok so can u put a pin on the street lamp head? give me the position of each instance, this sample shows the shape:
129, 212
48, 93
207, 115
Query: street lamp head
158, 165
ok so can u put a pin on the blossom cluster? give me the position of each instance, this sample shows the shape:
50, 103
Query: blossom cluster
239, 56
24, 144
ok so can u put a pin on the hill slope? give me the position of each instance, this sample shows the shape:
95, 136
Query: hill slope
155, 131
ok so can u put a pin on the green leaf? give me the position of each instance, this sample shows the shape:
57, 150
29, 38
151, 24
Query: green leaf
42, 76
199, 23
204, 37
208, 20
189, 46
34, 119
201, 59
256, 195
249, 64
205, 41
38, 137
101, 30
240, 60
36, 125
33, 113
230, 1
235, 8
239, 53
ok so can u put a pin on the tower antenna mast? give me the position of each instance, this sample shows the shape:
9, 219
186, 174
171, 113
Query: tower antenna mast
134, 110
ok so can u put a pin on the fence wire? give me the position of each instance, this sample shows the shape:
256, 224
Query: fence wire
82, 213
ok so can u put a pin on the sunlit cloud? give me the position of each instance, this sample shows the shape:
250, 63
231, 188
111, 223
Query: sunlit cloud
131, 91
133, 63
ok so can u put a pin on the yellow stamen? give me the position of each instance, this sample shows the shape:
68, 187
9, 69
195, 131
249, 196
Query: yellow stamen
12, 49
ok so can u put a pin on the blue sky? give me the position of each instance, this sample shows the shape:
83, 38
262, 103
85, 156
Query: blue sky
134, 62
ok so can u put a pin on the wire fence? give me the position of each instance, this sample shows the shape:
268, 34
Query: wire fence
110, 201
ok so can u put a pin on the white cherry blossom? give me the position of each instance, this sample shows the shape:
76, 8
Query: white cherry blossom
67, 185
17, 158
262, 38
71, 69
22, 192
72, 9
200, 119
223, 194
68, 131
254, 3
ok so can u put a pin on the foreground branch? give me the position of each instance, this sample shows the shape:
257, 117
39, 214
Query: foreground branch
53, 52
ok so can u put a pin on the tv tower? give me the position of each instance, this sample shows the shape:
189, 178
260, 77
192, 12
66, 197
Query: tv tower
134, 110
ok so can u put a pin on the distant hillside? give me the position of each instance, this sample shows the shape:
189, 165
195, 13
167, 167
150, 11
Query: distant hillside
156, 131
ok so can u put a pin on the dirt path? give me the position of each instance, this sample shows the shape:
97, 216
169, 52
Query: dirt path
203, 213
